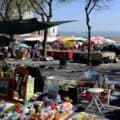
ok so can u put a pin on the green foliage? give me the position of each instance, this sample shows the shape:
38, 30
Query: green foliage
64, 86
14, 9
22, 6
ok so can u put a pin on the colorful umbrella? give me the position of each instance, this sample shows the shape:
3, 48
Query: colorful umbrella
79, 39
65, 39
22, 45
96, 40
109, 41
72, 39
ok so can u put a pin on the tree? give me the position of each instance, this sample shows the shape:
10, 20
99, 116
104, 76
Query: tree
90, 5
44, 9
22, 7
6, 9
13, 9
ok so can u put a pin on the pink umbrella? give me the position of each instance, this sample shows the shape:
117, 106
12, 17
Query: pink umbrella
98, 39
109, 41
101, 40
95, 40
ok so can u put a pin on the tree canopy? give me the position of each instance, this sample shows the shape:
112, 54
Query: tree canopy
14, 9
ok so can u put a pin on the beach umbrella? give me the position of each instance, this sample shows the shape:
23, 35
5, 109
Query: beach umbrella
80, 39
109, 41
72, 39
98, 39
26, 26
23, 45
95, 40
66, 39
101, 40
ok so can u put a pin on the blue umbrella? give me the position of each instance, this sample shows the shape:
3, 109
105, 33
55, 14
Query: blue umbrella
23, 45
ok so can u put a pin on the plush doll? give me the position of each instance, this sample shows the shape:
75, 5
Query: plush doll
66, 104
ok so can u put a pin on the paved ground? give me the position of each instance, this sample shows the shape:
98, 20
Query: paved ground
73, 71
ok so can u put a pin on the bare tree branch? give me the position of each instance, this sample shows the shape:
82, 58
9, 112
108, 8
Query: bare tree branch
92, 7
38, 7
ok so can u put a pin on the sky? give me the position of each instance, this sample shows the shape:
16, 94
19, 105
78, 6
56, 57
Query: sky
107, 19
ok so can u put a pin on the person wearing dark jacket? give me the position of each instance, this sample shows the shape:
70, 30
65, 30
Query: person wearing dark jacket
39, 81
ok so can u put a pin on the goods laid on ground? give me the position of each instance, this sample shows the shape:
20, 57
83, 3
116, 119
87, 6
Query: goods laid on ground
46, 109
86, 116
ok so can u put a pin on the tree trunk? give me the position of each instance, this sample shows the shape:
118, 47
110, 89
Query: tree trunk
89, 37
89, 46
45, 43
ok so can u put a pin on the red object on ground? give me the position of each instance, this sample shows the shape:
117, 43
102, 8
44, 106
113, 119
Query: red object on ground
86, 95
52, 105
17, 108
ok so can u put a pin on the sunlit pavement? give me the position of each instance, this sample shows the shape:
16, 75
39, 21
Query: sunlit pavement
72, 71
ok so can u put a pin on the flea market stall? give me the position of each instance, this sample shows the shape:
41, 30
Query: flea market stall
41, 105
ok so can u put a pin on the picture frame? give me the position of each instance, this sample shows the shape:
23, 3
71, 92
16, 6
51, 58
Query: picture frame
20, 84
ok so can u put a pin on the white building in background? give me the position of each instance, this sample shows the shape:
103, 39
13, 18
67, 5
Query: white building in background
53, 31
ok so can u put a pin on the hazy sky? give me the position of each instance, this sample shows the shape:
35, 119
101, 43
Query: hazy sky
107, 19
